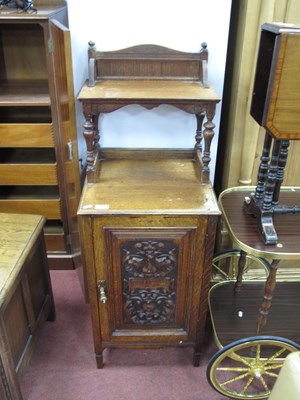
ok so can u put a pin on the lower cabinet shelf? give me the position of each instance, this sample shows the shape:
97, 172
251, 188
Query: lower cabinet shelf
40, 200
50, 208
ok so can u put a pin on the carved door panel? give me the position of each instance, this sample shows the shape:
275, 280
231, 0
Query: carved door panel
148, 274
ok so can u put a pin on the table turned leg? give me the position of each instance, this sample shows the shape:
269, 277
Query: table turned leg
241, 268
272, 176
263, 167
266, 304
283, 155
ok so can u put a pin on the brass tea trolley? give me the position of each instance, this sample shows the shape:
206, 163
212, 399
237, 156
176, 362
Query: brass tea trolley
253, 344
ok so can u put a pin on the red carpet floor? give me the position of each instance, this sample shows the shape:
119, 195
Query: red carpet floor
63, 365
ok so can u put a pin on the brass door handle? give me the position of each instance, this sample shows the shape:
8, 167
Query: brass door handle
101, 289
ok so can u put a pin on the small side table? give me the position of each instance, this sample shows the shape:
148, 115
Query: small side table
244, 232
275, 106
26, 299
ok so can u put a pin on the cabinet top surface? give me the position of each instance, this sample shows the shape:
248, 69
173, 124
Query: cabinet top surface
43, 12
17, 236
148, 186
143, 89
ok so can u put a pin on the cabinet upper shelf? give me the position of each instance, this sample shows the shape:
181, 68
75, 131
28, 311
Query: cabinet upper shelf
148, 73
142, 89
24, 93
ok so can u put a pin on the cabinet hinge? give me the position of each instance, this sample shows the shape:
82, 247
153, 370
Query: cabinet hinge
70, 149
50, 46
69, 239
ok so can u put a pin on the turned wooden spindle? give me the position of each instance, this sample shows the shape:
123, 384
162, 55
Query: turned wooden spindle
199, 136
95, 119
89, 136
241, 268
268, 295
271, 180
283, 154
208, 135
263, 167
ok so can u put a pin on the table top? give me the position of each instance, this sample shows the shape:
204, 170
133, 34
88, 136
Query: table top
18, 233
244, 228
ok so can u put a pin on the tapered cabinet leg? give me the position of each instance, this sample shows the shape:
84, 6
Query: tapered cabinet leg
196, 359
99, 360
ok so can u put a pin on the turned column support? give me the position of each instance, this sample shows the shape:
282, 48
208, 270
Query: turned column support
271, 179
208, 135
89, 135
264, 203
283, 155
263, 167
92, 137
95, 119
199, 136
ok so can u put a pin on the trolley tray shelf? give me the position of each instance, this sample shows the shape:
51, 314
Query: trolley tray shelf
234, 315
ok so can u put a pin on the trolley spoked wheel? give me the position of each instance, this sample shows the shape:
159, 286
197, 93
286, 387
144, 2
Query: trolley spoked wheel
248, 368
225, 266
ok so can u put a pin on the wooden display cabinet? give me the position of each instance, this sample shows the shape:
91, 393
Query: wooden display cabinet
148, 217
39, 171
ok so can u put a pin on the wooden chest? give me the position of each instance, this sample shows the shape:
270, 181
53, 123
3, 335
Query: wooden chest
148, 229
26, 299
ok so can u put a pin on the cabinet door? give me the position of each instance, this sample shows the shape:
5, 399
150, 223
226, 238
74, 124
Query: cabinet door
149, 285
66, 127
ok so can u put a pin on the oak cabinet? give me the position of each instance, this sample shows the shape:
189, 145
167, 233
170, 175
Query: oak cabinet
39, 171
148, 241
148, 216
